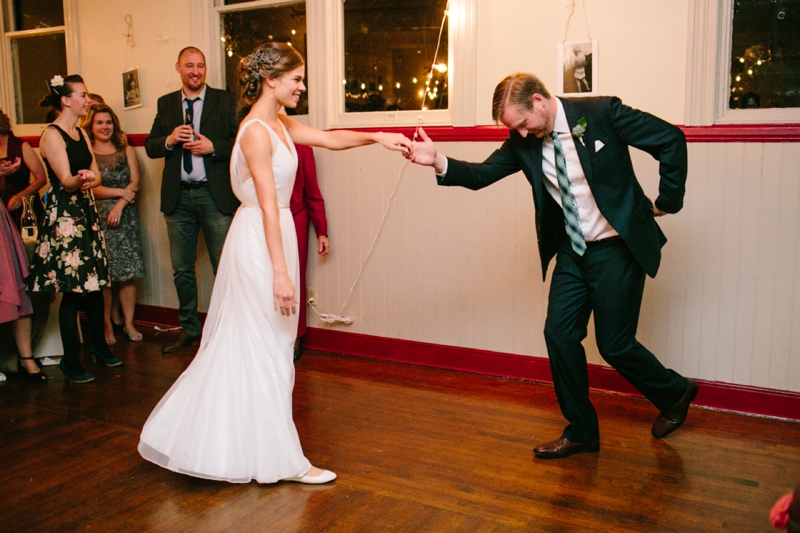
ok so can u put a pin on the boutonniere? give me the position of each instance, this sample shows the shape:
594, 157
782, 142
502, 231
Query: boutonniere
579, 130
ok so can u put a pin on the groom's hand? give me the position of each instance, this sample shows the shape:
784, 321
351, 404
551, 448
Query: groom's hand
425, 153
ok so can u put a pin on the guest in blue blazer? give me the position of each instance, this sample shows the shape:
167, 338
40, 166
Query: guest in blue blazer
594, 218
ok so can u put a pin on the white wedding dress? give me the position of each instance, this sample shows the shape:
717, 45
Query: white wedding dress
229, 415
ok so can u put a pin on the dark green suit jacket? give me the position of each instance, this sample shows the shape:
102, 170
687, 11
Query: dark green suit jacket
609, 172
219, 123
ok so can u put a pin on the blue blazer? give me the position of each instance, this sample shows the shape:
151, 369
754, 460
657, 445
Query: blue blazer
608, 171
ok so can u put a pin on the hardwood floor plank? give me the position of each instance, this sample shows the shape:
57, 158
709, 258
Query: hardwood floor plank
415, 449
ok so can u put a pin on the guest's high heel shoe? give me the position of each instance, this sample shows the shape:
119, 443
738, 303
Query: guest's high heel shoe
86, 377
108, 361
36, 377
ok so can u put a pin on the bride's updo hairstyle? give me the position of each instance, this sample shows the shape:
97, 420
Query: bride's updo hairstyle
58, 87
269, 60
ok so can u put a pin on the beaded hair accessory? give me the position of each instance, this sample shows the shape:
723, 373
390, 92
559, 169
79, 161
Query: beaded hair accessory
259, 61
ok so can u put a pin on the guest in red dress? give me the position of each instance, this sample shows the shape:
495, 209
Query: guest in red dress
307, 204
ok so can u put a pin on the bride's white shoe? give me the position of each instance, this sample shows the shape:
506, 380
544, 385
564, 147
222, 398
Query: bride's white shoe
325, 477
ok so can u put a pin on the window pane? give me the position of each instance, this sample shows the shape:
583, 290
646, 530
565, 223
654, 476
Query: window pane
389, 47
243, 31
765, 56
32, 14
36, 60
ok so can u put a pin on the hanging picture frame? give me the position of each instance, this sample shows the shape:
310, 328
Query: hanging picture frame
131, 90
577, 68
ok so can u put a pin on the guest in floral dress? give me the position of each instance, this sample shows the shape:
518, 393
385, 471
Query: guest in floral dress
119, 220
70, 252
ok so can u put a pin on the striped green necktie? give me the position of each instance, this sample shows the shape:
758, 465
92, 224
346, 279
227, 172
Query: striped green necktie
571, 218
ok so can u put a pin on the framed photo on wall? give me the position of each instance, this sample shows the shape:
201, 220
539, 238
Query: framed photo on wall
131, 92
577, 68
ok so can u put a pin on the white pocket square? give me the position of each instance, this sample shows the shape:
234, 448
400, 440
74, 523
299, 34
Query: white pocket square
598, 145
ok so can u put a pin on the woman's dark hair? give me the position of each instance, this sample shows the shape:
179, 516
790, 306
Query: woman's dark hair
269, 60
5, 123
117, 138
53, 97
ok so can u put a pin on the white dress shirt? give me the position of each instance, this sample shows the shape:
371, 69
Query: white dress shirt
198, 165
593, 224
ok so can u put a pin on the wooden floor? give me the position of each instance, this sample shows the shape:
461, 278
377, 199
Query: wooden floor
415, 449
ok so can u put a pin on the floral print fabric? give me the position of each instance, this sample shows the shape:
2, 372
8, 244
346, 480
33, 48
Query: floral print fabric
70, 250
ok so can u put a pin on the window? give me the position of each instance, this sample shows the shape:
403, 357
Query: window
397, 46
389, 50
244, 27
727, 39
34, 49
765, 54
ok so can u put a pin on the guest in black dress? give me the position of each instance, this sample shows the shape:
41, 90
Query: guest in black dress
70, 253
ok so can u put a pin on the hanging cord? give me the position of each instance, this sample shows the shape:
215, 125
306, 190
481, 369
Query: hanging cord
585, 18
130, 43
331, 318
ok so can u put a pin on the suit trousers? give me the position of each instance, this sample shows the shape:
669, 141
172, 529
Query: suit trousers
195, 211
608, 282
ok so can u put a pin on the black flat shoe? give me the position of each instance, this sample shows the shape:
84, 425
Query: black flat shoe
37, 377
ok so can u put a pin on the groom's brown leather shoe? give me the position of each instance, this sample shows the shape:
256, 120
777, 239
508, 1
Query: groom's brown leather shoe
671, 419
184, 341
562, 447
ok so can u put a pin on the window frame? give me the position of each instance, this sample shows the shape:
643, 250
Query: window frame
8, 87
325, 29
708, 60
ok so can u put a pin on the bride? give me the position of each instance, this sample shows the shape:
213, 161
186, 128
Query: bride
229, 415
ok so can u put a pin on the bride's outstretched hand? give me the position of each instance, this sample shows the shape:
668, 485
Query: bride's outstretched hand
284, 297
395, 141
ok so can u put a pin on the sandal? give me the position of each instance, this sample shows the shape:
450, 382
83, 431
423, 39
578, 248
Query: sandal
135, 336
37, 377
111, 341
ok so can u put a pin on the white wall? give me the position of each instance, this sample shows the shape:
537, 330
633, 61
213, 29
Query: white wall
642, 48
160, 29
461, 268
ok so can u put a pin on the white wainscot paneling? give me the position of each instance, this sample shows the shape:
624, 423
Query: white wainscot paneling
461, 268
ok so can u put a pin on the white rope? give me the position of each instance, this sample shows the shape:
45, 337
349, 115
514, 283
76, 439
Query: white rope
585, 18
332, 318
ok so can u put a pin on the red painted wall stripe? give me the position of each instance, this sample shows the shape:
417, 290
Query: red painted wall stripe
713, 394
727, 133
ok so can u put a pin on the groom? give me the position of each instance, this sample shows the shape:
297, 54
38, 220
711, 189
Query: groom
593, 216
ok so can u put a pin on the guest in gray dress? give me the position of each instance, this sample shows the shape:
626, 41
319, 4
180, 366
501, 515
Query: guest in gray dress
119, 219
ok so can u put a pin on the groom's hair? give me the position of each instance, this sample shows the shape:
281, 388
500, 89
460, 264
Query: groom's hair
517, 90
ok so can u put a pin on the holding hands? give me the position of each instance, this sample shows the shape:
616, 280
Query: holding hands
394, 141
425, 153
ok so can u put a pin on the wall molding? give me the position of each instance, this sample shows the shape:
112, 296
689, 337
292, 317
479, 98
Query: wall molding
713, 394
721, 133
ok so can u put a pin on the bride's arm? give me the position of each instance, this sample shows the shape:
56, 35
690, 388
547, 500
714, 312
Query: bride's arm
343, 139
257, 149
